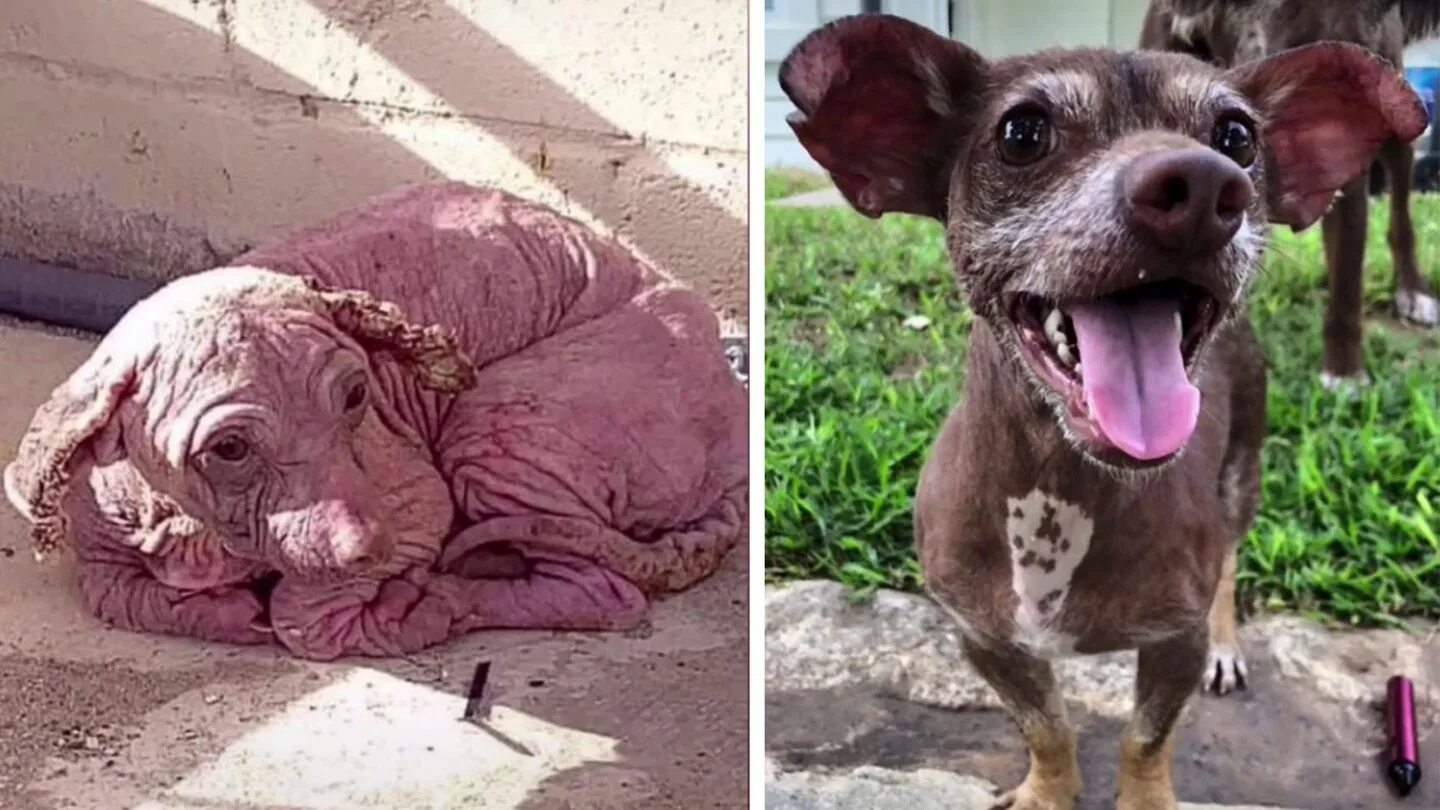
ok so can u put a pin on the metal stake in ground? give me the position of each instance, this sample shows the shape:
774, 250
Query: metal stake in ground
479, 701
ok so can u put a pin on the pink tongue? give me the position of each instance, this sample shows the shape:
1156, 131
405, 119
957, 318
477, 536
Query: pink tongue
1133, 375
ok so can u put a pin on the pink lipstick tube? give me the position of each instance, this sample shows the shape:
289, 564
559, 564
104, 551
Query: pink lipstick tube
1403, 756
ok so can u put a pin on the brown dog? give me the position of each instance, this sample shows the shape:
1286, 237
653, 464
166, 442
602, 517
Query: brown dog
1230, 32
1105, 213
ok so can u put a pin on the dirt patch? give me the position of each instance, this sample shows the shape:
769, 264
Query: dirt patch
80, 713
74, 711
687, 747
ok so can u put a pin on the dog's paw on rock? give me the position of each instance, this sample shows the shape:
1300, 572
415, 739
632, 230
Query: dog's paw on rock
1036, 795
1159, 799
1225, 670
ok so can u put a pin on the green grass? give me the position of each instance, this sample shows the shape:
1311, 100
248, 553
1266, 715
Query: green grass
853, 397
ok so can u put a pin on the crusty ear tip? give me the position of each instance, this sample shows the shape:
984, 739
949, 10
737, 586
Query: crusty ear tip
454, 378
8, 483
45, 550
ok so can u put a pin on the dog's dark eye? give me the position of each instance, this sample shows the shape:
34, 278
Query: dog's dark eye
356, 396
231, 449
1235, 139
1024, 136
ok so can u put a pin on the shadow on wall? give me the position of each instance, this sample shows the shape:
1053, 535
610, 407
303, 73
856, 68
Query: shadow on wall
666, 216
178, 170
660, 211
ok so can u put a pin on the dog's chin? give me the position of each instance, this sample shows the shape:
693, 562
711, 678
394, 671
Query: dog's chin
1049, 352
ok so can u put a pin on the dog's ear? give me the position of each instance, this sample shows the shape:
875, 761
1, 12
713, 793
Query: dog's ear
430, 352
883, 103
1325, 111
77, 414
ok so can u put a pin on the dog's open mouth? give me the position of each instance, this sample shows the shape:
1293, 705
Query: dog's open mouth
1122, 362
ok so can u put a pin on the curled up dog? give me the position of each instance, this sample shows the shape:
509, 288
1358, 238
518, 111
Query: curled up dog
1105, 214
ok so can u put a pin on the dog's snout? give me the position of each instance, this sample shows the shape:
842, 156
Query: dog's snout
358, 543
1187, 200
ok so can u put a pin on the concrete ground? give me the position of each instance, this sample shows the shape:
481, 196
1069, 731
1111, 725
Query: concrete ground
870, 706
104, 719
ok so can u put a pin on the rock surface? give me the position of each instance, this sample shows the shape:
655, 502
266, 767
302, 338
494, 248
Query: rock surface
884, 789
873, 697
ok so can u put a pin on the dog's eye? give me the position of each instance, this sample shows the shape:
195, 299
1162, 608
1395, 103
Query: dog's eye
1024, 136
356, 396
231, 449
1235, 139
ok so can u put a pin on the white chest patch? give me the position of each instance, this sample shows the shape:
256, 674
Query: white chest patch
1048, 538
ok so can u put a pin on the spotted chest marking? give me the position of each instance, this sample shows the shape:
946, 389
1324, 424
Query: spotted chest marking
1047, 538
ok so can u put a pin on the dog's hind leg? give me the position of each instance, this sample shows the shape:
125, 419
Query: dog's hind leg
1345, 228
1413, 300
1164, 680
1027, 687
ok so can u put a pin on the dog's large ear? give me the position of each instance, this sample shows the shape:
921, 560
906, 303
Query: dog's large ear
77, 411
883, 104
430, 352
1326, 109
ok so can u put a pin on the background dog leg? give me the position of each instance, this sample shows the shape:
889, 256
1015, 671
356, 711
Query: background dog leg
1164, 680
1345, 228
1413, 300
1027, 687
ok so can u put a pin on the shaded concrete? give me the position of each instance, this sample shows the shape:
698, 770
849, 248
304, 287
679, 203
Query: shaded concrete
882, 684
109, 719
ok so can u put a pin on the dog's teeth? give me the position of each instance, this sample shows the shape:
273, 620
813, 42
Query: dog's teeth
1052, 323
1065, 356
1179, 324
1079, 369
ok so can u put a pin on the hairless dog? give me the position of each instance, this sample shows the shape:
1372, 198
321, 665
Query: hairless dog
1105, 213
1231, 32
450, 409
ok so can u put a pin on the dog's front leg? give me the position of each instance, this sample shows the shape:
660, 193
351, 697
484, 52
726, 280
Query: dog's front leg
1164, 680
1225, 665
1027, 687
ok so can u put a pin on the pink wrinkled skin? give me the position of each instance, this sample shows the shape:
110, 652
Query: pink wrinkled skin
600, 457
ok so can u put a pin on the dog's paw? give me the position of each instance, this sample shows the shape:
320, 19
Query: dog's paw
1225, 670
1418, 307
1158, 800
1344, 383
1036, 795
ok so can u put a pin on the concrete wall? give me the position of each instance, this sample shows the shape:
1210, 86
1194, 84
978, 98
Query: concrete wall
151, 138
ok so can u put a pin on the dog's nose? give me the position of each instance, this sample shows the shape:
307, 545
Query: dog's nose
357, 543
1190, 201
